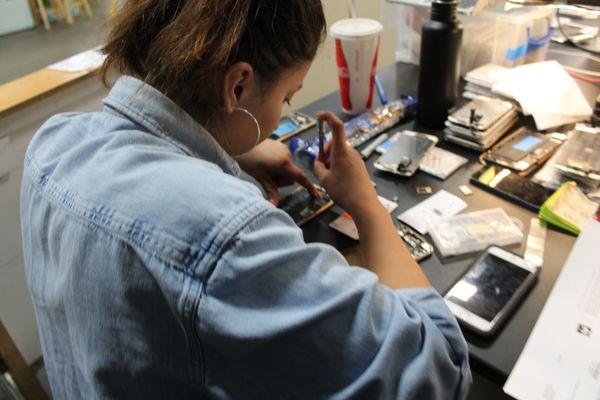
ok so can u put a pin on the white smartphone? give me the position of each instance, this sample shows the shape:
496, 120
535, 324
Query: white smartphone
490, 290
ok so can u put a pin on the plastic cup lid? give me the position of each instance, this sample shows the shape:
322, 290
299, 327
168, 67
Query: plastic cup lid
355, 28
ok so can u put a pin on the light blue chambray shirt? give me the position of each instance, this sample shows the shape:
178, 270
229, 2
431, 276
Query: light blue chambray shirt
156, 272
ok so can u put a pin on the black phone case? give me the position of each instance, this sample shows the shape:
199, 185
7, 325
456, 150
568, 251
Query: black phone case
474, 180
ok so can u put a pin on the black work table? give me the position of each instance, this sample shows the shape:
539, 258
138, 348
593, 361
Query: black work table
493, 358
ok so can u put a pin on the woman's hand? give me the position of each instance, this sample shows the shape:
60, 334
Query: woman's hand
271, 164
343, 173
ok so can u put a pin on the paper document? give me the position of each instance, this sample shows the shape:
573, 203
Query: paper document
561, 359
551, 105
442, 204
84, 61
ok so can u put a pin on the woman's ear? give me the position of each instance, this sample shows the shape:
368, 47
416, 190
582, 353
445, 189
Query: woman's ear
238, 83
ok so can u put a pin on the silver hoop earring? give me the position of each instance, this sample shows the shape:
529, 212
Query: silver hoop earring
248, 113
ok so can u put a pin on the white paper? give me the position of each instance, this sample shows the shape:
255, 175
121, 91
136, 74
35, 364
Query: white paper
441, 163
546, 91
442, 204
389, 205
87, 60
561, 359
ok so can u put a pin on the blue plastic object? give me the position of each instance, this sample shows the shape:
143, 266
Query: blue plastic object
531, 45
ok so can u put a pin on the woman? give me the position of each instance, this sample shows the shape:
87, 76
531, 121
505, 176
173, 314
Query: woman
157, 272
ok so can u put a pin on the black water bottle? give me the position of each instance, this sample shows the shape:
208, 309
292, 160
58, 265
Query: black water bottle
439, 71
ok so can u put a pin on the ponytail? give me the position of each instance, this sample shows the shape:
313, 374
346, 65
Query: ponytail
183, 47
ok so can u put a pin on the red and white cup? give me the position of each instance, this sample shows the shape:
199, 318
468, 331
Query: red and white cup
356, 49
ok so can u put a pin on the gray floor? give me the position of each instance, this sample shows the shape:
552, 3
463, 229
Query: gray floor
24, 52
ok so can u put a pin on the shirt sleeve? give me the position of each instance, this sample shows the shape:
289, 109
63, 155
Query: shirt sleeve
280, 318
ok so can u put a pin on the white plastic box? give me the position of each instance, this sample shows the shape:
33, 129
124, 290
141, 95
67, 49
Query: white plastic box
521, 35
474, 231
487, 36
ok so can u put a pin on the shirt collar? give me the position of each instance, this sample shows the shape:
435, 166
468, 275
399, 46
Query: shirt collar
162, 117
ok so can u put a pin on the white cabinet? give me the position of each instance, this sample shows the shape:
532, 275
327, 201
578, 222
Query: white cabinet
15, 15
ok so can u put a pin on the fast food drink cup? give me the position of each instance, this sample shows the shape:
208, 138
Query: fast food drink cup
356, 49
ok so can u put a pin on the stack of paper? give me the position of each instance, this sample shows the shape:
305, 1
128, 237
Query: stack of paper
568, 208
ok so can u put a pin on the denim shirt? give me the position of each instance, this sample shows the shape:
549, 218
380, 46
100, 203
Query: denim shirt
156, 272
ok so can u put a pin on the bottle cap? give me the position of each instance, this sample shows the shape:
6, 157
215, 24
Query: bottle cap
355, 28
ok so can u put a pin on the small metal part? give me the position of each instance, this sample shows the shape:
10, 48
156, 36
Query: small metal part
424, 190
465, 190
474, 117
404, 163
321, 140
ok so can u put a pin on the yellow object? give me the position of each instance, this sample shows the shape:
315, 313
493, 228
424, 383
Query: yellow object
568, 208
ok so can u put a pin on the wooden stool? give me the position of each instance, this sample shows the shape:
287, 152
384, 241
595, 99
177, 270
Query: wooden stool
26, 381
78, 4
56, 6
113, 8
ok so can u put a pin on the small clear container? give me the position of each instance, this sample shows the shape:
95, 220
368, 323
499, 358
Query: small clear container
474, 231
521, 35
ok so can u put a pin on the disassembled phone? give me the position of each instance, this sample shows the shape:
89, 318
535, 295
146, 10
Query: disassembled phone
292, 125
417, 245
578, 157
523, 150
302, 206
490, 290
405, 155
506, 184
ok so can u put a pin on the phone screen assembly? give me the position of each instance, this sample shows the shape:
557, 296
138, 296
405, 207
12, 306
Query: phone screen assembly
513, 187
490, 290
292, 125
405, 155
523, 150
303, 206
